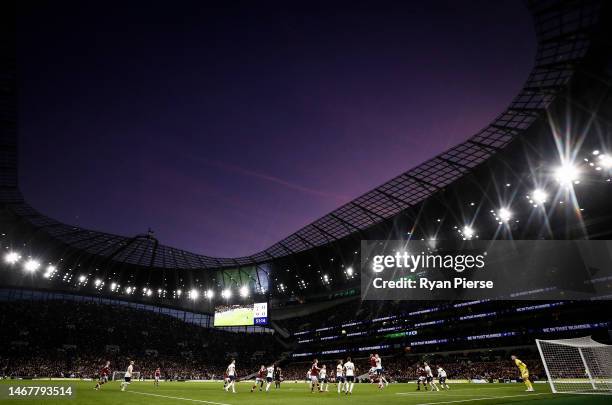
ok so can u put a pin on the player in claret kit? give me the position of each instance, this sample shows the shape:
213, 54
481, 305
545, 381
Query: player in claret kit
372, 364
340, 376
103, 376
157, 376
421, 377
314, 375
259, 378
524, 372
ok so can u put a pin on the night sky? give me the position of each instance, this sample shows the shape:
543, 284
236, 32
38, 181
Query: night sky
226, 126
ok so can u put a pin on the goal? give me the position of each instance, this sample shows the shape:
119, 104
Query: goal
118, 375
578, 366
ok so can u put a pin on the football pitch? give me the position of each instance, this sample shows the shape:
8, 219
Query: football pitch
295, 393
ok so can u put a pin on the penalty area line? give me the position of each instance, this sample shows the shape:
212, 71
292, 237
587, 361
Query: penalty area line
484, 398
177, 398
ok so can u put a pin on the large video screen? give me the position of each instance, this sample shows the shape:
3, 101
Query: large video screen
241, 315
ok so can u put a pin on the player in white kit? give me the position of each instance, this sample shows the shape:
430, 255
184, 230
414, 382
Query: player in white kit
430, 378
127, 379
340, 375
324, 386
442, 378
231, 375
269, 377
349, 372
380, 372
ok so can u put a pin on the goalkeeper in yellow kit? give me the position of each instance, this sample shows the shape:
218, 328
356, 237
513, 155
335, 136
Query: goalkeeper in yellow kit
524, 372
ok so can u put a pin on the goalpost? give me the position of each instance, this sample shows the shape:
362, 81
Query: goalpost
577, 366
118, 375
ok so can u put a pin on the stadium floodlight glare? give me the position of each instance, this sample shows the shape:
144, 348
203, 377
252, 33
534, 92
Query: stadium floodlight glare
244, 291
113, 286
31, 265
539, 196
504, 214
227, 293
82, 278
350, 272
605, 161
566, 174
12, 257
128, 290
468, 232
194, 294
97, 282
149, 292
210, 294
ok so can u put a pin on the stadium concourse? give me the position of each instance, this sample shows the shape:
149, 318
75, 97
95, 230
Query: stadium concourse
73, 298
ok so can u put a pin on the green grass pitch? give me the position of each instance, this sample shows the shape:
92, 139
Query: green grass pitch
298, 394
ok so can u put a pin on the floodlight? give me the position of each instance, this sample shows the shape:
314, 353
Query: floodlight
149, 292
31, 265
605, 161
210, 294
349, 272
504, 214
468, 232
244, 291
566, 174
193, 294
539, 196
227, 293
12, 257
97, 282
82, 278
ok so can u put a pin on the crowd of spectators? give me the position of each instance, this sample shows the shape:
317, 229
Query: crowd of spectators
56, 338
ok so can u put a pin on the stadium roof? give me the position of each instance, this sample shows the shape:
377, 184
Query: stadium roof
563, 30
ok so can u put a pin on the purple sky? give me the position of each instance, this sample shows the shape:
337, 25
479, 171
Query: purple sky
226, 128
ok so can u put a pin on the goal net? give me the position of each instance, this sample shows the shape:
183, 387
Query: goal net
118, 375
579, 365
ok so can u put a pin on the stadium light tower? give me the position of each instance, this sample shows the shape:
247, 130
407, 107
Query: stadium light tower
12, 257
31, 266
244, 291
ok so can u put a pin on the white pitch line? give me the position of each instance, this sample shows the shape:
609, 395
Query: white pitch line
178, 398
484, 398
443, 393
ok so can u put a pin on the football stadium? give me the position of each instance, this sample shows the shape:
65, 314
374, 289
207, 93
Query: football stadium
480, 275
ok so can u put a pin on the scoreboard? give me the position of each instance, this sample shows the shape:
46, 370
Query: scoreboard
241, 314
